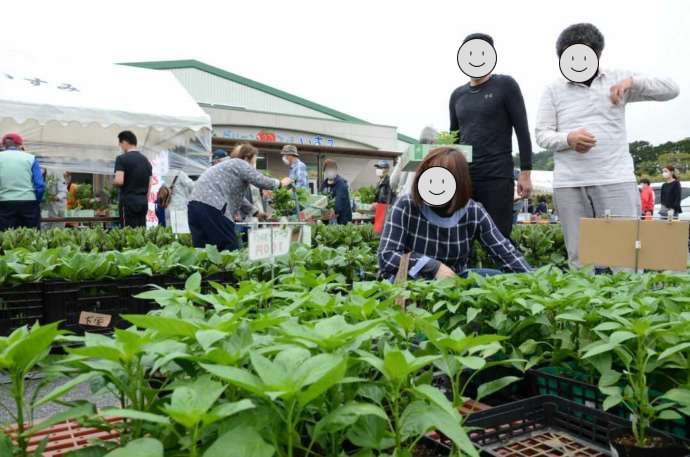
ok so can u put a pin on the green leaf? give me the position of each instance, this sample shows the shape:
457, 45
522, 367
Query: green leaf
609, 378
237, 377
190, 402
494, 386
472, 362
143, 447
61, 390
371, 432
674, 349
27, 351
679, 395
206, 338
91, 451
165, 326
136, 415
226, 410
607, 326
193, 283
669, 414
598, 348
420, 417
345, 416
395, 365
240, 442
337, 367
611, 401
436, 397
620, 336
472, 313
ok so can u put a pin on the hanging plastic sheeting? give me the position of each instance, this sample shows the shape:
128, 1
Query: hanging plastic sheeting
70, 115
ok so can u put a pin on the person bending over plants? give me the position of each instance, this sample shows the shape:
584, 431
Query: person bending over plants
437, 223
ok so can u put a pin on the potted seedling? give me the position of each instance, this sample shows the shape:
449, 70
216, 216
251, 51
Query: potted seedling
637, 344
416, 153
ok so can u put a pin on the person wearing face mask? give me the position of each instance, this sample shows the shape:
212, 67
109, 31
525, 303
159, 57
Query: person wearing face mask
298, 170
219, 194
384, 192
439, 237
670, 192
335, 186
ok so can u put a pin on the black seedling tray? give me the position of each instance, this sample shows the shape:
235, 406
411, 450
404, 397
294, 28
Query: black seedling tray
549, 381
21, 305
543, 426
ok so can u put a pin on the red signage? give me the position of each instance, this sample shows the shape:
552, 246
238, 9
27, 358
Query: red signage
268, 137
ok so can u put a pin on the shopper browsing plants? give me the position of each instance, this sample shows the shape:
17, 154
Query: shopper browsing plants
436, 225
219, 192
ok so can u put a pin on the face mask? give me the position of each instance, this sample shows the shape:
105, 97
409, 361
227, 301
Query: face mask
286, 161
379, 172
330, 174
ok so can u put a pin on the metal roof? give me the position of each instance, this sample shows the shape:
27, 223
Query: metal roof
178, 64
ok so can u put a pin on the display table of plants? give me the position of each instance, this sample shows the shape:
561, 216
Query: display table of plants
314, 364
57, 274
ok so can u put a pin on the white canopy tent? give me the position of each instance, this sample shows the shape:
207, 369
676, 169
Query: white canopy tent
70, 115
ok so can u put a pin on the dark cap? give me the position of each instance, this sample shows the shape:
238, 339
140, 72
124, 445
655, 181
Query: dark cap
219, 154
382, 164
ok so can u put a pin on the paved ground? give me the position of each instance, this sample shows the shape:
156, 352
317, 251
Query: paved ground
80, 392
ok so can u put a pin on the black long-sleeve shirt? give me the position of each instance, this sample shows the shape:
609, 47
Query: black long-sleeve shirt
671, 196
486, 116
338, 190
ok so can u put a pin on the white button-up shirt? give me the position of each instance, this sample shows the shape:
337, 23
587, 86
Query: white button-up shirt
566, 106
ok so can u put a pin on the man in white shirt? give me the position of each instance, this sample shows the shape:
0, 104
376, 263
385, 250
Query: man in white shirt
583, 123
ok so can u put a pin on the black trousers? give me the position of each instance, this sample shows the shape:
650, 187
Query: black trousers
133, 215
496, 195
210, 226
16, 214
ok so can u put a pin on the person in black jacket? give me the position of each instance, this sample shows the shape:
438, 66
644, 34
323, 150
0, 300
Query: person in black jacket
670, 192
335, 186
384, 192
485, 111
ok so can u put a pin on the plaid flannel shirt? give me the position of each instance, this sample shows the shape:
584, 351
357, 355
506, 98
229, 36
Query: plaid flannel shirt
430, 237
298, 173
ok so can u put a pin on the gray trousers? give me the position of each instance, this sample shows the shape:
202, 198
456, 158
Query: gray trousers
574, 203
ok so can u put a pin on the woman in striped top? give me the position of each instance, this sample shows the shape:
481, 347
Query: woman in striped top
439, 237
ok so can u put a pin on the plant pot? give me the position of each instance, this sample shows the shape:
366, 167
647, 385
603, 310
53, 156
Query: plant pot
623, 444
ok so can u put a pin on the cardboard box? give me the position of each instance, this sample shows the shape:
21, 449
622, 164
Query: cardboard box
416, 153
633, 243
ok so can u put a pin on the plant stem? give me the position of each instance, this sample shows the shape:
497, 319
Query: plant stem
289, 427
18, 394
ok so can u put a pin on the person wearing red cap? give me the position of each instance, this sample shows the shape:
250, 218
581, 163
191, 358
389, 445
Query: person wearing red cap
21, 185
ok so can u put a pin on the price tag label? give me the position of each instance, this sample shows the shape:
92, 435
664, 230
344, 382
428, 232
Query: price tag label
94, 319
260, 246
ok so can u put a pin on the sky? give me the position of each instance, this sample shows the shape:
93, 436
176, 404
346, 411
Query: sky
388, 62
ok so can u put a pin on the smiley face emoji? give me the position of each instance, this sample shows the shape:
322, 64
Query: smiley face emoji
579, 63
436, 186
477, 58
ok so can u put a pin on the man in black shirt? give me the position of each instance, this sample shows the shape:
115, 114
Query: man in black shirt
485, 111
133, 177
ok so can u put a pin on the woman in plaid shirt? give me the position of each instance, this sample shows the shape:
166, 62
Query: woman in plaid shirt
439, 238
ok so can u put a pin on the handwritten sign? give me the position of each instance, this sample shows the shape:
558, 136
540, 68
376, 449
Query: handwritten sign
94, 319
260, 246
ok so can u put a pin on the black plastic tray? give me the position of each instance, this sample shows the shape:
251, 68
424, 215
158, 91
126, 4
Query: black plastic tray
543, 426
